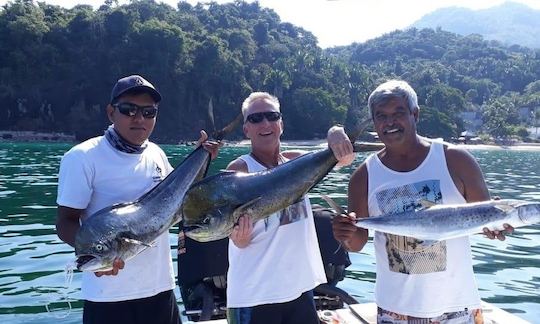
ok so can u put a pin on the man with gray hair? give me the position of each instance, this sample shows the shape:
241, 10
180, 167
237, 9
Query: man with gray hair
275, 263
392, 89
411, 274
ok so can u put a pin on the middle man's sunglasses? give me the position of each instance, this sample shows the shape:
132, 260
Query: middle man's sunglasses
256, 118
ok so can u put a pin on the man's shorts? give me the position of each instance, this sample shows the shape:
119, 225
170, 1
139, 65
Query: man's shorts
301, 310
158, 309
470, 316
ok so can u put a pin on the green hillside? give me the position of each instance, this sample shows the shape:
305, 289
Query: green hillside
58, 65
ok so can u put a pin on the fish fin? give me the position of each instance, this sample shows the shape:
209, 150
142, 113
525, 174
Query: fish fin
333, 204
503, 206
220, 134
426, 204
137, 242
245, 208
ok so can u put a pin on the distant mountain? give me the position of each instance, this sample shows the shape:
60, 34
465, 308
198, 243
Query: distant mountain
510, 23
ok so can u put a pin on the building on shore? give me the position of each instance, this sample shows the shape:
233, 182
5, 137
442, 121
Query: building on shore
31, 136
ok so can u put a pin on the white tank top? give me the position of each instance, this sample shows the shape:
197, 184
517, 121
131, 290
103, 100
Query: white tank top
411, 279
281, 262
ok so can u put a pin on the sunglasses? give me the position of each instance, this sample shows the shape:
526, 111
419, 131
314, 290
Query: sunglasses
258, 117
130, 109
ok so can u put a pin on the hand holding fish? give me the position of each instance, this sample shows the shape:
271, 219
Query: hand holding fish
211, 146
343, 227
495, 234
500, 235
241, 233
118, 264
340, 145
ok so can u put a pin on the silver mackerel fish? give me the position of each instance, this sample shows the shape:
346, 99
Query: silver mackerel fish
442, 222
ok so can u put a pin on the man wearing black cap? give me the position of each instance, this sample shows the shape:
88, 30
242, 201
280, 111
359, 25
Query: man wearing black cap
120, 167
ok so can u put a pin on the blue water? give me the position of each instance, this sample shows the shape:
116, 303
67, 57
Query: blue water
32, 258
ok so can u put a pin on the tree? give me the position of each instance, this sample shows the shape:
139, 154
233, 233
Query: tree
499, 115
435, 123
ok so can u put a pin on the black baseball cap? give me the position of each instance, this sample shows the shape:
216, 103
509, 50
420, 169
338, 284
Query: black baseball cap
134, 82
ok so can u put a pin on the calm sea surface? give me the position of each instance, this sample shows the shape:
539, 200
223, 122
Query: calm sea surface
32, 258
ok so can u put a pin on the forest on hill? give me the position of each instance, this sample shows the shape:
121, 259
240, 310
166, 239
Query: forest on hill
58, 65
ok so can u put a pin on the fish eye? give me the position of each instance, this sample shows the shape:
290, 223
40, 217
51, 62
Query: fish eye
99, 247
206, 220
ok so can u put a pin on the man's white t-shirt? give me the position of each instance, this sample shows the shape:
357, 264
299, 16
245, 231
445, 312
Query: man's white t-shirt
412, 279
281, 262
94, 175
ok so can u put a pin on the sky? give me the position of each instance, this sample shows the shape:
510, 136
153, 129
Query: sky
342, 22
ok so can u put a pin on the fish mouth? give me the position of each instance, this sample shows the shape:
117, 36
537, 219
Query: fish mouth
191, 228
84, 259
88, 262
201, 235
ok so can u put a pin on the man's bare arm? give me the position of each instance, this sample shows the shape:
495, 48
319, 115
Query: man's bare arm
344, 228
67, 223
469, 180
467, 175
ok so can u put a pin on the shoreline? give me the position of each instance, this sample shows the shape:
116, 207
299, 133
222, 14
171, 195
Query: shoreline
322, 143
316, 143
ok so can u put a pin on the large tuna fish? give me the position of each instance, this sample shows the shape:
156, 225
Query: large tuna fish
125, 230
212, 206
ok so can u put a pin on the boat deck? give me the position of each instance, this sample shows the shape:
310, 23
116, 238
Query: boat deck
366, 313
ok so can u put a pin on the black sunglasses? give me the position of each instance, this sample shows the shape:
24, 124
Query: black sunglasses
256, 118
131, 109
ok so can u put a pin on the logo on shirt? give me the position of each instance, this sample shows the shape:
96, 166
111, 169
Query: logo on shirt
158, 174
292, 214
408, 254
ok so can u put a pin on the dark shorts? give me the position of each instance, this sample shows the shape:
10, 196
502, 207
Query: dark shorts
301, 310
161, 308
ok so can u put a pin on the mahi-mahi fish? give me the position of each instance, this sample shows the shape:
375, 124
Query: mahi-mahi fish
212, 206
442, 222
124, 230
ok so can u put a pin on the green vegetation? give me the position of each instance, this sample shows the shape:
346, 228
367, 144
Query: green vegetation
58, 65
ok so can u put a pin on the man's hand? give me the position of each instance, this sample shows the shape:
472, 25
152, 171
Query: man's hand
241, 234
210, 146
343, 227
340, 145
118, 264
500, 235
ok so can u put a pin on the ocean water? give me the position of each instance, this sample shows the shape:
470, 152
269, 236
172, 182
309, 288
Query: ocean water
33, 287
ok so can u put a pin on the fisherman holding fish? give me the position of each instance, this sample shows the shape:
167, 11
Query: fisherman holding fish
416, 280
275, 263
119, 167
